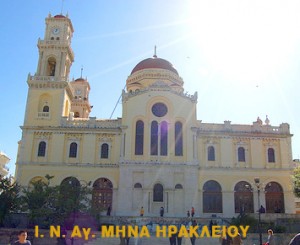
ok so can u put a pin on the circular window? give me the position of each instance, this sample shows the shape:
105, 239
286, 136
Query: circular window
159, 109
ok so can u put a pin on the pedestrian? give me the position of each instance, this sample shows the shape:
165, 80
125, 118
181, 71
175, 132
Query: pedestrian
193, 237
210, 226
22, 235
192, 211
172, 239
142, 211
237, 240
295, 240
271, 240
161, 211
188, 213
108, 211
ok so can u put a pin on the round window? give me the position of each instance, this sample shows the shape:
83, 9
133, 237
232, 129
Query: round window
159, 109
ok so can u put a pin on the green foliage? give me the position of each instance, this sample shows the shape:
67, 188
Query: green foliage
9, 197
245, 220
279, 229
296, 180
49, 205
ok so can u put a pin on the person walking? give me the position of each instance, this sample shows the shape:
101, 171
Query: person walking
161, 211
142, 211
108, 211
193, 211
295, 240
271, 240
237, 240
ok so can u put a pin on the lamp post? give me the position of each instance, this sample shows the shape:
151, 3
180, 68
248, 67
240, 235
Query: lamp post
258, 185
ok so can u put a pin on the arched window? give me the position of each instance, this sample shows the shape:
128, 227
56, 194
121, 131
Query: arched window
42, 149
178, 186
154, 138
137, 185
139, 137
46, 108
51, 66
178, 139
241, 154
70, 189
164, 139
102, 195
211, 153
243, 198
212, 197
274, 198
37, 182
158, 193
104, 151
271, 155
73, 150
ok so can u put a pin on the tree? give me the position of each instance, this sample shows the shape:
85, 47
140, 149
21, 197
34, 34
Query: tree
49, 205
9, 197
296, 180
39, 199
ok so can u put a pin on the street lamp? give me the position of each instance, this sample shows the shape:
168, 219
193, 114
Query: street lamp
258, 185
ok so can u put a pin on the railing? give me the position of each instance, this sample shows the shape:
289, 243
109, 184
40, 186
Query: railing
91, 123
47, 78
227, 127
44, 115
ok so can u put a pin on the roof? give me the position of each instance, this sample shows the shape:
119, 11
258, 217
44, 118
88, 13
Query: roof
154, 62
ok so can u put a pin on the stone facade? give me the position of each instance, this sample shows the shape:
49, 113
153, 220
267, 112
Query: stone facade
158, 154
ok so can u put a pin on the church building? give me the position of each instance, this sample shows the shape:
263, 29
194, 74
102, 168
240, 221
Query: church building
158, 154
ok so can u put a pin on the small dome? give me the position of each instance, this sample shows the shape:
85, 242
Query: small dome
80, 80
154, 62
59, 16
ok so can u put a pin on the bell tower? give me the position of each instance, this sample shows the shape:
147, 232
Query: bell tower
55, 53
50, 93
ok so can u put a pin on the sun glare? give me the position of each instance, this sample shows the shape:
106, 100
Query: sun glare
245, 41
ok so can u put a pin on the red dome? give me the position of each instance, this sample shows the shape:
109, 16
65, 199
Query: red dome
59, 16
80, 80
151, 63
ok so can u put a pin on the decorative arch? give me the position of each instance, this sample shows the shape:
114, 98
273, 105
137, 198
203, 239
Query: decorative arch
178, 186
102, 195
212, 197
138, 185
158, 193
70, 188
37, 179
274, 198
243, 198
46, 108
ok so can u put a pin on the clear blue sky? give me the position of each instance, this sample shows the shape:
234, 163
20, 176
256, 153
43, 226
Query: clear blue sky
241, 56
